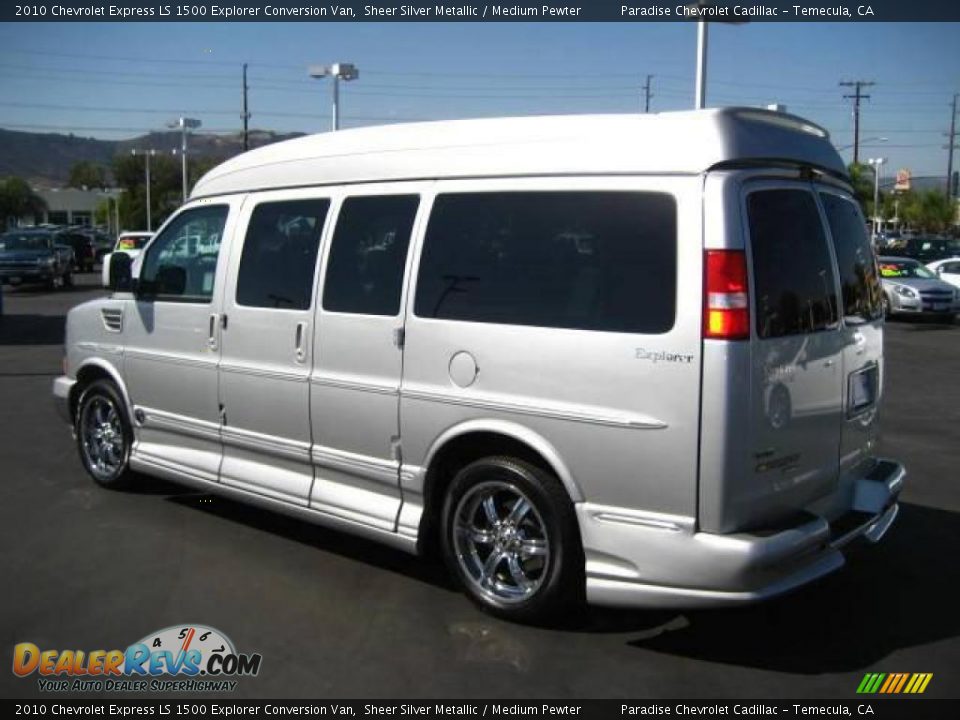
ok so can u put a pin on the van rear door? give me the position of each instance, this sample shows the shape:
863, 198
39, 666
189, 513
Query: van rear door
862, 312
796, 355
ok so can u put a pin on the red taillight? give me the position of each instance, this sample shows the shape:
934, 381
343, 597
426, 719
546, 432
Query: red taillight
726, 305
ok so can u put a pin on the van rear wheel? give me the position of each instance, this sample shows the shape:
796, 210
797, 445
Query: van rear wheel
104, 435
511, 538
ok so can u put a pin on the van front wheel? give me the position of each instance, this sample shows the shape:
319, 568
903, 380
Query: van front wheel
104, 435
511, 538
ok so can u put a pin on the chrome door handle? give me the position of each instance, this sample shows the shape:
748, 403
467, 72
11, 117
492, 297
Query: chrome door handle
298, 342
212, 332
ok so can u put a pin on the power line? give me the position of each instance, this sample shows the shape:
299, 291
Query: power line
276, 84
110, 73
91, 128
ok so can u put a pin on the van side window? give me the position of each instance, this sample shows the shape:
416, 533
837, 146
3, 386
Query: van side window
369, 253
280, 254
862, 293
582, 260
793, 278
181, 263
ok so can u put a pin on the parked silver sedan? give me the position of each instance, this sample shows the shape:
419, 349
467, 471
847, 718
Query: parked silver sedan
911, 288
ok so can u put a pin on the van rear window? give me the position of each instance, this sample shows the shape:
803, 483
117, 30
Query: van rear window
582, 260
862, 293
794, 287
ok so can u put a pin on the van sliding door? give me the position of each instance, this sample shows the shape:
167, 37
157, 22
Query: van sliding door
267, 331
355, 384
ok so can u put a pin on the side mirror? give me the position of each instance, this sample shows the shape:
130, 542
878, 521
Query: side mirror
120, 274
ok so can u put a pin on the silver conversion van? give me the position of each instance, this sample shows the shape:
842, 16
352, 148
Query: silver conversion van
635, 360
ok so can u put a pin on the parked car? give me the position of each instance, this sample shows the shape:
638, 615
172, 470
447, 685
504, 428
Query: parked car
947, 270
102, 243
30, 256
911, 288
622, 358
84, 251
924, 249
130, 242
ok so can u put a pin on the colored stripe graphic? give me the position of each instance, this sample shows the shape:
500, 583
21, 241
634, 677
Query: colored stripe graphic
894, 683
875, 685
923, 679
903, 681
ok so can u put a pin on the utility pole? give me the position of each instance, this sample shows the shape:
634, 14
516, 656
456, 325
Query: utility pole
951, 146
246, 114
857, 96
647, 95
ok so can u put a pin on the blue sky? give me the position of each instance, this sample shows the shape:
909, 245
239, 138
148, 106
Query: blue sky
114, 80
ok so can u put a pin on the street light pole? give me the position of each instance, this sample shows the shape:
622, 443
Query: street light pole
185, 124
335, 120
875, 163
701, 90
147, 155
338, 72
701, 9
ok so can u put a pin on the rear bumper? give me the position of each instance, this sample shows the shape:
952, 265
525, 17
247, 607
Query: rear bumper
639, 560
62, 388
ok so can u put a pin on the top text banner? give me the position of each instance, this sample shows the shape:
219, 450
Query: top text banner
543, 11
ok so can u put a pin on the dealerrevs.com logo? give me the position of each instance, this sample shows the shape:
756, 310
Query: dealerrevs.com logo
200, 658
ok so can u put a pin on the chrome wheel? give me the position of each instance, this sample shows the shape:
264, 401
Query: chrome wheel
102, 438
501, 542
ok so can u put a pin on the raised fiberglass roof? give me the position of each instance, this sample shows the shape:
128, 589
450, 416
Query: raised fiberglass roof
689, 142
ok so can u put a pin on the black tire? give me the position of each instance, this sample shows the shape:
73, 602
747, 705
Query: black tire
556, 584
112, 449
68, 279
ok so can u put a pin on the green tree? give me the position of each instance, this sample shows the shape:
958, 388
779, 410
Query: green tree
17, 200
166, 186
926, 210
861, 178
86, 174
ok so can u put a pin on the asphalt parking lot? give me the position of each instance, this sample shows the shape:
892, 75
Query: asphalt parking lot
336, 616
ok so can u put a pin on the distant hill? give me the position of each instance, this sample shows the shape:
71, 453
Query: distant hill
45, 159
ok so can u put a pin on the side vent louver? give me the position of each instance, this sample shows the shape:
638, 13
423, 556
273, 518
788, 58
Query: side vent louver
112, 319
